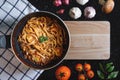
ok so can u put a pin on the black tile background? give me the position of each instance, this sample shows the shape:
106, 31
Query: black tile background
113, 17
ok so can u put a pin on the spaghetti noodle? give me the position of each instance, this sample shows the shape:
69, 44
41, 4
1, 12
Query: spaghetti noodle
41, 40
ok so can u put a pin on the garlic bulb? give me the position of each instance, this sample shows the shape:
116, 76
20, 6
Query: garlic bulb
82, 2
89, 12
75, 13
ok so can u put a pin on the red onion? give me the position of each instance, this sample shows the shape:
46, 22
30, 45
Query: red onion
89, 12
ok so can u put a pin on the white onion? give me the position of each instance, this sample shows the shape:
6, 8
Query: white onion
82, 2
75, 13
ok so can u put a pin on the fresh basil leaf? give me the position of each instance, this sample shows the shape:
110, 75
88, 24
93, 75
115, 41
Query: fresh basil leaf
42, 39
110, 69
86, 79
108, 65
100, 74
45, 38
101, 67
113, 75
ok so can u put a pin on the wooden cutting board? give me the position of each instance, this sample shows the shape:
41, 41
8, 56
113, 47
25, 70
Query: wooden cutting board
89, 40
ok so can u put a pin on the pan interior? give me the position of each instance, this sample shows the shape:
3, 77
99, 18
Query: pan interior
16, 47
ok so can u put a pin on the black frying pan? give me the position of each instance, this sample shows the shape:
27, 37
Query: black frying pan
16, 47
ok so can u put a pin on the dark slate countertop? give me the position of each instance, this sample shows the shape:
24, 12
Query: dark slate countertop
113, 18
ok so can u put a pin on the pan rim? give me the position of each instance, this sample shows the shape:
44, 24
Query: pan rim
69, 42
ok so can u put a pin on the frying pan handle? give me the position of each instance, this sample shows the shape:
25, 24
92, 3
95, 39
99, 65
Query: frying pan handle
5, 41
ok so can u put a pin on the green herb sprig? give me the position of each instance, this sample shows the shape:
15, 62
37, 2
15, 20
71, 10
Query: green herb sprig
107, 72
42, 39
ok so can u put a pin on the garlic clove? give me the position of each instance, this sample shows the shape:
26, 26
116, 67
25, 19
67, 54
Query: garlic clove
75, 13
61, 11
57, 3
66, 2
82, 2
89, 12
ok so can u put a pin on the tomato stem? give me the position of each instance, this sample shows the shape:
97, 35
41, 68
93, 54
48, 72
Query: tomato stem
62, 74
85, 73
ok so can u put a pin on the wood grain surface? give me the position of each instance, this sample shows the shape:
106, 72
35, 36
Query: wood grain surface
89, 40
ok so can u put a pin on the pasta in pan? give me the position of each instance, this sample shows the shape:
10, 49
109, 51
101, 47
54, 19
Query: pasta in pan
41, 40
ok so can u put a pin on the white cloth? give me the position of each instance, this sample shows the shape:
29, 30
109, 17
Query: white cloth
11, 11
